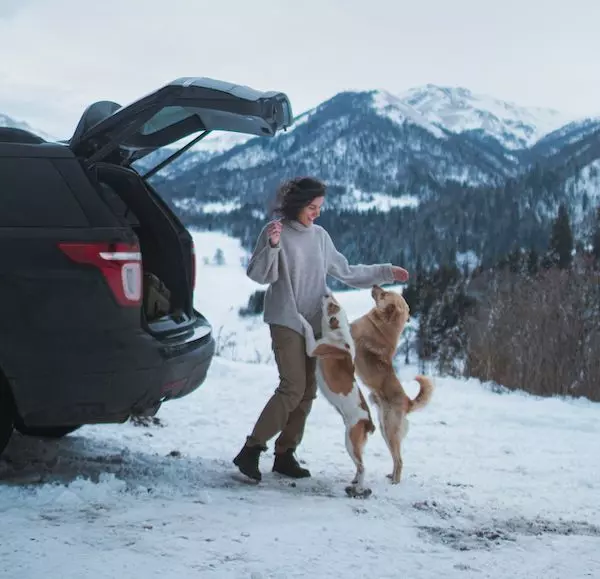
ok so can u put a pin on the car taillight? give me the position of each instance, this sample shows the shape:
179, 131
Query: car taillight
120, 264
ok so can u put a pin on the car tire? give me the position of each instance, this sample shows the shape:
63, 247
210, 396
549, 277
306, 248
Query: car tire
7, 416
45, 431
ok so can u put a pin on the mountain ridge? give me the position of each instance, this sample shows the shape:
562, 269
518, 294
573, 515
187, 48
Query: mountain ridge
373, 141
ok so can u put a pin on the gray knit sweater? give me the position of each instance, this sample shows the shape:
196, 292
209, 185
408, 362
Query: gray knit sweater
296, 271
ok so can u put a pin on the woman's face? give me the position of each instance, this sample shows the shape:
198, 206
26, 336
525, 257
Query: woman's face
311, 211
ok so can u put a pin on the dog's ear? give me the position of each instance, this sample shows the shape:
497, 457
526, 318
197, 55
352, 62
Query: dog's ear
375, 291
329, 351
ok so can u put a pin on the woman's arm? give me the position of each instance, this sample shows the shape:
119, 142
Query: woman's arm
358, 276
264, 263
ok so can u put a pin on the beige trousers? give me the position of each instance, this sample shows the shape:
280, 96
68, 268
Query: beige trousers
288, 408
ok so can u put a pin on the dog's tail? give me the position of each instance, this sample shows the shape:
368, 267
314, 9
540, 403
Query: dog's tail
424, 395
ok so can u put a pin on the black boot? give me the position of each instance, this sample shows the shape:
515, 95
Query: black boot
247, 461
285, 463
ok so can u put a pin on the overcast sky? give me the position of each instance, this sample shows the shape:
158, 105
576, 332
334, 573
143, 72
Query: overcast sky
60, 55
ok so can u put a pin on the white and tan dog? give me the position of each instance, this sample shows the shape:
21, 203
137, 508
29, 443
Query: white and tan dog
335, 377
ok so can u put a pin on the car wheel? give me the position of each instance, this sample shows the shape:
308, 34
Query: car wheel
45, 431
7, 416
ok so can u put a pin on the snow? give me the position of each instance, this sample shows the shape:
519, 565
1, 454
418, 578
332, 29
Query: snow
588, 180
192, 205
458, 110
496, 484
362, 201
298, 121
221, 141
383, 202
468, 258
398, 111
585, 185
240, 339
571, 133
216, 142
251, 156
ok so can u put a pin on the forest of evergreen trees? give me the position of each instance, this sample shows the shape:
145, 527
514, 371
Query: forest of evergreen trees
490, 222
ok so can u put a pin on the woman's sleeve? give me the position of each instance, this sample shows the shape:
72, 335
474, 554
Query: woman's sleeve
357, 276
264, 263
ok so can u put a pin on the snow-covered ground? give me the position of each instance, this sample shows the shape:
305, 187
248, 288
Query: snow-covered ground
496, 485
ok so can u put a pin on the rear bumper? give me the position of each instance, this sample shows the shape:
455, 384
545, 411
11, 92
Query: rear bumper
80, 383
185, 365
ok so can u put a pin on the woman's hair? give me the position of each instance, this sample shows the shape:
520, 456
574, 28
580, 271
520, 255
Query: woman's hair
296, 194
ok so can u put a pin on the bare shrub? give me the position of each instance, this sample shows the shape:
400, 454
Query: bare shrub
225, 344
540, 334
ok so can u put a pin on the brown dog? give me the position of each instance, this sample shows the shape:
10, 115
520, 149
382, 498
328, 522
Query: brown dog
376, 336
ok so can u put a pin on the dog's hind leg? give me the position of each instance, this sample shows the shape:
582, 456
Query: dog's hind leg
391, 427
356, 439
355, 452
383, 415
381, 412
394, 429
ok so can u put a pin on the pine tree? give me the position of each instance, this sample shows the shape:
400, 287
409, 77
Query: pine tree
561, 240
219, 257
596, 238
532, 262
411, 296
515, 261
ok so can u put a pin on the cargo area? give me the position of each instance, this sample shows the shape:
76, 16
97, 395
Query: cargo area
166, 247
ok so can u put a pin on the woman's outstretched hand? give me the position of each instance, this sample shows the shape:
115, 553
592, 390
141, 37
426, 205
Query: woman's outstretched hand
400, 274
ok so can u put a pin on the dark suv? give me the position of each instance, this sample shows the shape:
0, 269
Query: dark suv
97, 273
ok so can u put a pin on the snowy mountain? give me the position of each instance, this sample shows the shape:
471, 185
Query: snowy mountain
459, 110
441, 111
6, 121
365, 141
376, 144
400, 112
561, 139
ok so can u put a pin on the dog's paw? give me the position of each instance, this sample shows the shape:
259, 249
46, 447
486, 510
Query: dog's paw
355, 492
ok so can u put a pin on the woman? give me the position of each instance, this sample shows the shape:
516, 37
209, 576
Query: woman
294, 256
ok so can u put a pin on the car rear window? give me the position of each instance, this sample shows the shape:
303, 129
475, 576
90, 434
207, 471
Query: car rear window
33, 194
